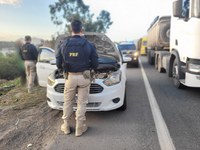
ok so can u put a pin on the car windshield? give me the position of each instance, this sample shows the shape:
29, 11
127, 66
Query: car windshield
126, 47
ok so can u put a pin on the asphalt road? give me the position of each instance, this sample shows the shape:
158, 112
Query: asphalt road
134, 129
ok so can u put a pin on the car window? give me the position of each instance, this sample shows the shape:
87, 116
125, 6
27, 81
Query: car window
126, 47
46, 55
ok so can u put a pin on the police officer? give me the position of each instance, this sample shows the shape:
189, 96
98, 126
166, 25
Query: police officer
29, 54
76, 56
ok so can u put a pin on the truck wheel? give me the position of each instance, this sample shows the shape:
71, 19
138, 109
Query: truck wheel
156, 62
124, 106
151, 59
176, 75
148, 56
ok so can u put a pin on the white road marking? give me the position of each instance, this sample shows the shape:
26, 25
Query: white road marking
164, 137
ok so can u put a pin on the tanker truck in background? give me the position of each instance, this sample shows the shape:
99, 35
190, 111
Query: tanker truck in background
181, 57
158, 35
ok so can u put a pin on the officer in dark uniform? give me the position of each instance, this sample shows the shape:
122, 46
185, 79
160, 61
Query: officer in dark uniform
76, 56
29, 54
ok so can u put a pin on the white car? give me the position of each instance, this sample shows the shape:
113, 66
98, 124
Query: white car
107, 90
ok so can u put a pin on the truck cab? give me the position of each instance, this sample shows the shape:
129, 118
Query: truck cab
142, 45
184, 61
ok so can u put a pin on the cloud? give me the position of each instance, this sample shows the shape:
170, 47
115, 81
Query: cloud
10, 2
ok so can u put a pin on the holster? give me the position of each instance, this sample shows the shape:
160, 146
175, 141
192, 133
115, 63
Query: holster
66, 75
86, 74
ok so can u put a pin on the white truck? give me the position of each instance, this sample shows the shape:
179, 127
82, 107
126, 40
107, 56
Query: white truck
182, 59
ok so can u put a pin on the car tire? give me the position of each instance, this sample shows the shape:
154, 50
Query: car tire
124, 106
136, 64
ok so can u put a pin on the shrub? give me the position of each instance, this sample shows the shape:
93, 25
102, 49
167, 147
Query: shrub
11, 66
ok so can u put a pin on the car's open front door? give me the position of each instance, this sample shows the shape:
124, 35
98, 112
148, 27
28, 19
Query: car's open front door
44, 65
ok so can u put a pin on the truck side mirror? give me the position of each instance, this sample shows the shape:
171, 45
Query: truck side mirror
177, 8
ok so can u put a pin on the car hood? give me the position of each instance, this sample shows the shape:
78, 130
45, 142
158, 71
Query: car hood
105, 47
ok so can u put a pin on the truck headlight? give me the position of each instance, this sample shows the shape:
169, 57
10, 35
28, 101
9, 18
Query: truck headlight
113, 79
51, 79
194, 67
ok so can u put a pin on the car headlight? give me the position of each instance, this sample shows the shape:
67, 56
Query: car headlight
51, 79
113, 79
194, 67
135, 54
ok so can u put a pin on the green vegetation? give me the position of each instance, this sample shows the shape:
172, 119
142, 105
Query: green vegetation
6, 86
11, 66
5, 44
64, 11
15, 82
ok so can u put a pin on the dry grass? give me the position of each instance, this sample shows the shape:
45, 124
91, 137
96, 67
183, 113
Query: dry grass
19, 98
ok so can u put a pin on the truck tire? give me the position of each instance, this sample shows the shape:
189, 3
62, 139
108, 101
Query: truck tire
148, 56
176, 75
156, 62
151, 59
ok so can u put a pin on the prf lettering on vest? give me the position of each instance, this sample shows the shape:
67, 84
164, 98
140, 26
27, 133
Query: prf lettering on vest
73, 54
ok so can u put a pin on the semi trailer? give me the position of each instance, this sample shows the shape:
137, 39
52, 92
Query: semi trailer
158, 35
179, 55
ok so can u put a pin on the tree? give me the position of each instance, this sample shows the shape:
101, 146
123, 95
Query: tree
64, 11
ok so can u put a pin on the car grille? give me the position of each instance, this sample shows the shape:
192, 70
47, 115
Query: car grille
91, 105
94, 88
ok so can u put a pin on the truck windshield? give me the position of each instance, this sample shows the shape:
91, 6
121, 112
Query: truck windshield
196, 8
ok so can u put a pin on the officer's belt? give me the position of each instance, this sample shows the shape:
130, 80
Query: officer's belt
75, 73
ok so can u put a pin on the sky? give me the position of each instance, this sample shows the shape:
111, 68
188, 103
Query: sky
131, 18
